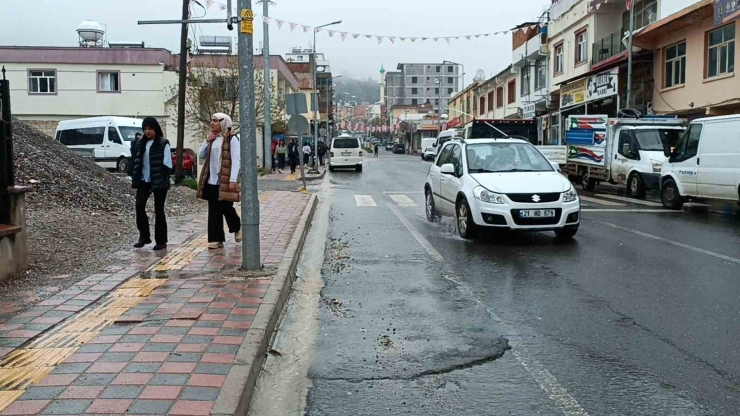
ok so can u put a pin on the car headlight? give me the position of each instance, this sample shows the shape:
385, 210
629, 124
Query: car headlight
657, 166
485, 195
570, 195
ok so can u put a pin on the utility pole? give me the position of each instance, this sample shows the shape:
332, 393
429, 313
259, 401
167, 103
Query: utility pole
182, 88
629, 54
250, 203
267, 140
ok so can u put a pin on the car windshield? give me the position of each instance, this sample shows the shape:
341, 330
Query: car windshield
346, 143
129, 133
649, 139
506, 157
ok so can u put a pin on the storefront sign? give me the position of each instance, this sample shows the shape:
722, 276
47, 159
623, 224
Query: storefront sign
528, 110
602, 85
725, 11
573, 94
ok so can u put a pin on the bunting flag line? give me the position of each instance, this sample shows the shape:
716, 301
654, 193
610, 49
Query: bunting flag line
593, 4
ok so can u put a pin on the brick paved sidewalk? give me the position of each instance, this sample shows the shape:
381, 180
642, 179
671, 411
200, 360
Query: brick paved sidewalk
185, 335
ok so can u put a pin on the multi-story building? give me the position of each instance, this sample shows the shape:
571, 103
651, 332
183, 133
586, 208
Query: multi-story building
588, 59
530, 60
694, 54
419, 83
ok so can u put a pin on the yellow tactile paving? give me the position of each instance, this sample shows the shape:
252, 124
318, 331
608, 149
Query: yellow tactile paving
180, 256
23, 367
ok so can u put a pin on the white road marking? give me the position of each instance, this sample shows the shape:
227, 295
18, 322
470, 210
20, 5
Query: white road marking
422, 241
547, 382
664, 211
631, 200
404, 201
671, 242
600, 201
365, 201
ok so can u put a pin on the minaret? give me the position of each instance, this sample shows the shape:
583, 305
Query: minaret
382, 84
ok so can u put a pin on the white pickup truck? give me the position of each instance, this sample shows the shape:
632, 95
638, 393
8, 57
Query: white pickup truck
522, 129
623, 151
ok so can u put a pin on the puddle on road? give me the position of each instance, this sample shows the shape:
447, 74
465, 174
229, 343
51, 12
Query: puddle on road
283, 384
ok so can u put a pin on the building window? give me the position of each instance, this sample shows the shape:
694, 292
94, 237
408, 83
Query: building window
450, 69
721, 53
449, 91
581, 46
646, 12
227, 87
42, 81
540, 78
482, 106
512, 92
558, 66
499, 97
675, 65
439, 68
436, 102
414, 80
436, 91
414, 91
414, 101
524, 81
490, 101
109, 81
450, 80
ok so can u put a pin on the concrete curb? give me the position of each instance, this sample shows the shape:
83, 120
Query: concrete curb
315, 177
236, 392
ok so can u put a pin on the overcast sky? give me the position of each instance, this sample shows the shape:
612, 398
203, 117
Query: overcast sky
53, 23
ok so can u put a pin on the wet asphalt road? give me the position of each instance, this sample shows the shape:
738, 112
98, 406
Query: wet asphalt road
638, 315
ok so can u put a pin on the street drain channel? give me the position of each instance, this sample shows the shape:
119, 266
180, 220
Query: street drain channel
31, 363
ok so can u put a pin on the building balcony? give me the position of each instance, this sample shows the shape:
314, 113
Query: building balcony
606, 47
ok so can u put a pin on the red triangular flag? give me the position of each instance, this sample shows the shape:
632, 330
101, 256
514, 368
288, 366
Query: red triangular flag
292, 26
279, 23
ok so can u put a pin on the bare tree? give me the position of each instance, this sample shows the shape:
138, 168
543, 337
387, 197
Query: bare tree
213, 87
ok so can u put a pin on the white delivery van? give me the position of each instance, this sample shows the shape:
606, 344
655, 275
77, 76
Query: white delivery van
704, 164
345, 152
109, 137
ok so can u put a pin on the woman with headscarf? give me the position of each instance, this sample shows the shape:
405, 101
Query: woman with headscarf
293, 154
152, 164
218, 183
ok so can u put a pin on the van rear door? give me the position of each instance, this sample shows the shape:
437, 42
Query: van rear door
719, 160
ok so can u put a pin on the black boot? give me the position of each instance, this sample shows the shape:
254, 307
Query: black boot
142, 243
160, 247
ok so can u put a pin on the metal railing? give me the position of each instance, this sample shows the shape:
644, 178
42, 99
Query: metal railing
607, 47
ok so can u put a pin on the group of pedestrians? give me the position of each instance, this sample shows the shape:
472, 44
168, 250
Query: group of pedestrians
291, 154
218, 182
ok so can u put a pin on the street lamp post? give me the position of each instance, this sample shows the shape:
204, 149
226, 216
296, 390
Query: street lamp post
316, 88
329, 97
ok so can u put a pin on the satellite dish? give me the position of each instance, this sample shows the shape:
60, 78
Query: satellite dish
480, 76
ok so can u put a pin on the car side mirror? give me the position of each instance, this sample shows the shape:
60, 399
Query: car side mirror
434, 145
667, 151
447, 169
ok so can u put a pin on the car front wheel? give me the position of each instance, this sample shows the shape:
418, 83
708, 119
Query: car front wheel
431, 212
122, 165
669, 195
636, 187
465, 225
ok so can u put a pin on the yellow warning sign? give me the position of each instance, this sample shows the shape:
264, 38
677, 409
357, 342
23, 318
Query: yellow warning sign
247, 26
247, 14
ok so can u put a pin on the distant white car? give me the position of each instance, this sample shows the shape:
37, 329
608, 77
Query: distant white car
345, 152
500, 184
428, 148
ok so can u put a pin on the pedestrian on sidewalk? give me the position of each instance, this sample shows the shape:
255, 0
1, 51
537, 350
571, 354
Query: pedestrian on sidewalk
151, 175
322, 153
273, 147
377, 147
293, 154
281, 151
218, 183
306, 153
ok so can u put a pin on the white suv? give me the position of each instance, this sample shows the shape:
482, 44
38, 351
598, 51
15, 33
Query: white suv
500, 183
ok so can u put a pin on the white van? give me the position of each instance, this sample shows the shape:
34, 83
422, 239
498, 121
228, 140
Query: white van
443, 138
704, 164
109, 137
345, 152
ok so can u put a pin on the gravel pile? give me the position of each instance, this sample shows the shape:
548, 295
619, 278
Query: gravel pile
79, 216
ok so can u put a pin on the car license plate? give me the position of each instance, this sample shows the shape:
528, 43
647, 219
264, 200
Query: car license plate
537, 213
346, 154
